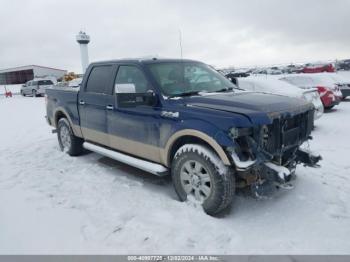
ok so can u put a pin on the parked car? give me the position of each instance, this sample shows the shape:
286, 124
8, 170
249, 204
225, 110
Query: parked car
36, 87
329, 92
344, 65
342, 82
182, 117
292, 69
278, 87
318, 68
274, 71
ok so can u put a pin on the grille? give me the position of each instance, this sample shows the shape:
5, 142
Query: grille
287, 132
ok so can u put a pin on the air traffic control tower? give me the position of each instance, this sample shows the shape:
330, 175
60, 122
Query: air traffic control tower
83, 40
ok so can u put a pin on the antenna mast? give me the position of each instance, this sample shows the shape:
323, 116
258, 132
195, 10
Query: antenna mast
180, 42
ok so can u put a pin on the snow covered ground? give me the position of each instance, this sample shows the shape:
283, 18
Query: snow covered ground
15, 89
51, 203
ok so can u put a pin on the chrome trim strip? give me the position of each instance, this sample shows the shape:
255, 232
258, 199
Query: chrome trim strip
147, 166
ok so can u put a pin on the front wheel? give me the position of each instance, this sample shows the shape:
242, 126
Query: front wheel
199, 175
68, 142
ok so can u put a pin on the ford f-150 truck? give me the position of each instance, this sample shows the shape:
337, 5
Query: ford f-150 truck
181, 117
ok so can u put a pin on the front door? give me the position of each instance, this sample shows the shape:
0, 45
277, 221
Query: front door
134, 129
94, 102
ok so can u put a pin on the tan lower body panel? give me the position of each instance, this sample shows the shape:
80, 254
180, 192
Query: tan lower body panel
131, 147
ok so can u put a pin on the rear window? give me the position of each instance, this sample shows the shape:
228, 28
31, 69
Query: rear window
99, 80
45, 82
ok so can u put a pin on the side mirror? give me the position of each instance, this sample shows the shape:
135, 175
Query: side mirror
150, 98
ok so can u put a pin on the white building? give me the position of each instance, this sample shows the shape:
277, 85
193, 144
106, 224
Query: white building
22, 74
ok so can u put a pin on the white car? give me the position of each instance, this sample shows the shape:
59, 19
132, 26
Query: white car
36, 87
327, 88
275, 86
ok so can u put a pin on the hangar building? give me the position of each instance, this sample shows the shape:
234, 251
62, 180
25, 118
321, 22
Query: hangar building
22, 74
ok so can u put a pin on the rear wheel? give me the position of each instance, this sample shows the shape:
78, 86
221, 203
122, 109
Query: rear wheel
199, 175
68, 142
329, 107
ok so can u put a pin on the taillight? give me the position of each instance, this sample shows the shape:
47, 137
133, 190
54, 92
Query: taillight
322, 90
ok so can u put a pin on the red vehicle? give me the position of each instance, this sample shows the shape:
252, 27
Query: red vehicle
330, 93
7, 93
328, 97
318, 69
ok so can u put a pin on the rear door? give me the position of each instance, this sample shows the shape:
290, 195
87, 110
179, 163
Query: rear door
95, 99
33, 86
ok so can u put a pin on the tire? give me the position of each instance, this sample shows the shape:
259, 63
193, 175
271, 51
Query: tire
22, 93
68, 142
196, 170
34, 94
328, 107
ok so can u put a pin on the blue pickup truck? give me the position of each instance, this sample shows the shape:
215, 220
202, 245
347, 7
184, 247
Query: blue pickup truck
181, 117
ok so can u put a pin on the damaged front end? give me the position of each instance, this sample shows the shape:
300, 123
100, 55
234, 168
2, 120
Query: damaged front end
268, 154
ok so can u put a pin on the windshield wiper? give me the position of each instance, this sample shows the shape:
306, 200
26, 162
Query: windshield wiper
227, 89
191, 93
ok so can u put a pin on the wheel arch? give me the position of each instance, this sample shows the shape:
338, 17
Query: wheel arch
192, 136
61, 113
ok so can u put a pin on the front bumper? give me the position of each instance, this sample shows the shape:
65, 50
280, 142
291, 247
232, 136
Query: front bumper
265, 170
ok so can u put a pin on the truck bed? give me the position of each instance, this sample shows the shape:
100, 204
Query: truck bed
65, 98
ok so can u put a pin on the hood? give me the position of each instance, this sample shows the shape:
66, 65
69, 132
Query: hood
258, 107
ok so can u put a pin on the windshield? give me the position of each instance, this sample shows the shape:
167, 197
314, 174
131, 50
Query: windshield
176, 78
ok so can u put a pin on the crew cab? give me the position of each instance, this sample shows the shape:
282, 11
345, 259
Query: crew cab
181, 117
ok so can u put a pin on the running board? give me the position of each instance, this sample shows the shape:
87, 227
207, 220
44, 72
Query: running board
147, 166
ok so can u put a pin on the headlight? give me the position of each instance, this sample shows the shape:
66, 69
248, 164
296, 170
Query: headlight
308, 97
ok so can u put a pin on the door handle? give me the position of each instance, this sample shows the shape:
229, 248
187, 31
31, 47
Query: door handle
81, 102
109, 107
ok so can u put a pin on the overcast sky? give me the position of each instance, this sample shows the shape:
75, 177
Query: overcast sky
220, 33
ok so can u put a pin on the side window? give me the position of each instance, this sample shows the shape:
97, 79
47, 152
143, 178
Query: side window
34, 83
29, 83
130, 76
99, 80
45, 82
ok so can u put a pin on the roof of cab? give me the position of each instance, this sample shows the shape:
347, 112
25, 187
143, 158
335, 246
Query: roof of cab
144, 61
